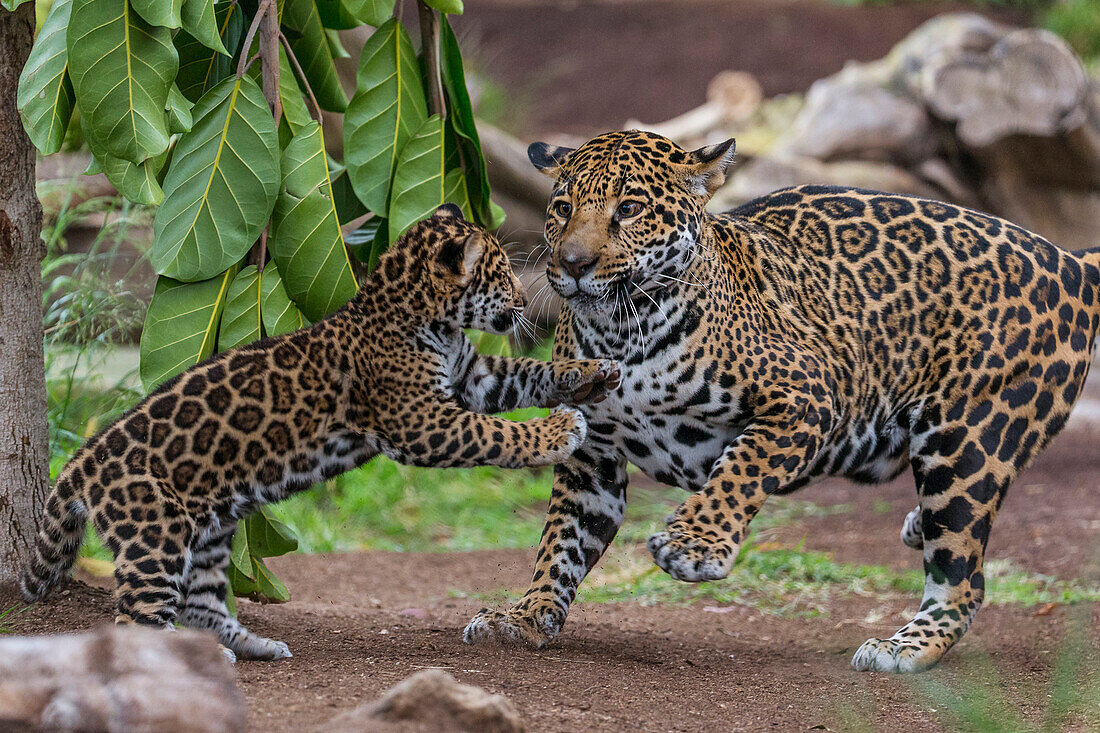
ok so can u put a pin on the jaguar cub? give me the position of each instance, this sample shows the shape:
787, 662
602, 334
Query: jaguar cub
391, 372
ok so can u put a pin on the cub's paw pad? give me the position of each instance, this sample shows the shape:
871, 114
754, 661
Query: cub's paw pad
503, 627
691, 558
263, 650
891, 655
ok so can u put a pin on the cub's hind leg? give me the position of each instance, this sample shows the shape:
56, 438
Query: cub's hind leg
150, 535
204, 603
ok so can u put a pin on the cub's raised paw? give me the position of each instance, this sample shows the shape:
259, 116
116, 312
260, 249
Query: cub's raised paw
586, 382
507, 627
893, 655
687, 556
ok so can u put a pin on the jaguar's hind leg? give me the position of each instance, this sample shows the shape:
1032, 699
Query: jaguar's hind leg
151, 540
204, 606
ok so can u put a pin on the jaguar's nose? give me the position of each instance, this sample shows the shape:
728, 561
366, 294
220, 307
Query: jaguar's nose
579, 264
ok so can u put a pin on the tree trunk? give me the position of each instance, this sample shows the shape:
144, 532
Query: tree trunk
24, 474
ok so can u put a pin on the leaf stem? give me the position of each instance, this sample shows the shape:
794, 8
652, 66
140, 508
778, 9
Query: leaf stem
261, 11
302, 75
429, 48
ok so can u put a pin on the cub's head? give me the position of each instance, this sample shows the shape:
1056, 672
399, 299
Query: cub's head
467, 272
627, 210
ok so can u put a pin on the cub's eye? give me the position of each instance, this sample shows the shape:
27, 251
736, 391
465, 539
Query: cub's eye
563, 209
628, 209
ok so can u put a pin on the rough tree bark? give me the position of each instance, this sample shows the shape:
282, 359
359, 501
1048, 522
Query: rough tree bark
24, 475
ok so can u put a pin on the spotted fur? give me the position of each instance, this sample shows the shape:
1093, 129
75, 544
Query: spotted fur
391, 372
814, 331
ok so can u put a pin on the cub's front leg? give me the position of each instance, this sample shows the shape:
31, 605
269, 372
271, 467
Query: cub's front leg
443, 435
498, 384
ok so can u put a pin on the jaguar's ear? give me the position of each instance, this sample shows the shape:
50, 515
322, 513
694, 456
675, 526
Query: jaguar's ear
447, 211
457, 257
705, 168
548, 158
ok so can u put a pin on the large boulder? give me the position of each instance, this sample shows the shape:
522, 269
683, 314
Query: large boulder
118, 678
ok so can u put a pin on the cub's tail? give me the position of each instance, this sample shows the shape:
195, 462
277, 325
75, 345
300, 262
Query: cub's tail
58, 542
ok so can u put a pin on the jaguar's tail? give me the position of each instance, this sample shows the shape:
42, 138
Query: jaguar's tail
58, 541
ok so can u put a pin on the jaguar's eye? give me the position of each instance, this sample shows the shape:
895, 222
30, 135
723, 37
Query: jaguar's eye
563, 209
628, 209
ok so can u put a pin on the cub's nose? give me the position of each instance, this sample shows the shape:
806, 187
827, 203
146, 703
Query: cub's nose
579, 264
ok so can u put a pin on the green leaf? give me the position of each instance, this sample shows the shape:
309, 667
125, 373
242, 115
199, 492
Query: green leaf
311, 48
268, 537
335, 46
337, 14
179, 111
12, 4
200, 67
386, 110
369, 241
306, 241
240, 556
294, 105
267, 585
138, 183
242, 322
454, 7
222, 184
418, 183
371, 12
280, 315
201, 23
159, 12
181, 326
45, 98
461, 121
348, 206
121, 69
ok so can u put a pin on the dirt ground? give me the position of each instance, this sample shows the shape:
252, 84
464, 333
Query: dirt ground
585, 66
360, 622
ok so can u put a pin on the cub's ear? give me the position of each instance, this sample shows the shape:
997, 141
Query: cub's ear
705, 168
447, 211
457, 257
548, 158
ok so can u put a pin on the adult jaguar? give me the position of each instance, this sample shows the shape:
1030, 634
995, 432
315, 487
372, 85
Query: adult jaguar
814, 331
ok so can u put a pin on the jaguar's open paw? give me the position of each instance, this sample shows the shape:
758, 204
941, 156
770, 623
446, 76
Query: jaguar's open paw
511, 627
687, 555
586, 382
893, 655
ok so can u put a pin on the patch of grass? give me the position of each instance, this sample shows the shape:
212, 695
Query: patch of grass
775, 579
1006, 582
1078, 21
6, 617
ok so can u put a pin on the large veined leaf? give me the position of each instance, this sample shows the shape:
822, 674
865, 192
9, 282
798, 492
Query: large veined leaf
222, 184
259, 536
306, 242
461, 121
45, 97
121, 68
280, 315
139, 183
181, 326
13, 4
348, 205
242, 320
419, 183
311, 48
388, 107
159, 12
201, 23
337, 15
369, 241
453, 7
200, 67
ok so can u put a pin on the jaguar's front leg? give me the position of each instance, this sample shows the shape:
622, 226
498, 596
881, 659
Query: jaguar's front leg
498, 383
586, 509
704, 535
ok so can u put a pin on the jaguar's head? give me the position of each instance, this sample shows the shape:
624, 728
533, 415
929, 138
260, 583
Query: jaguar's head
468, 271
627, 211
